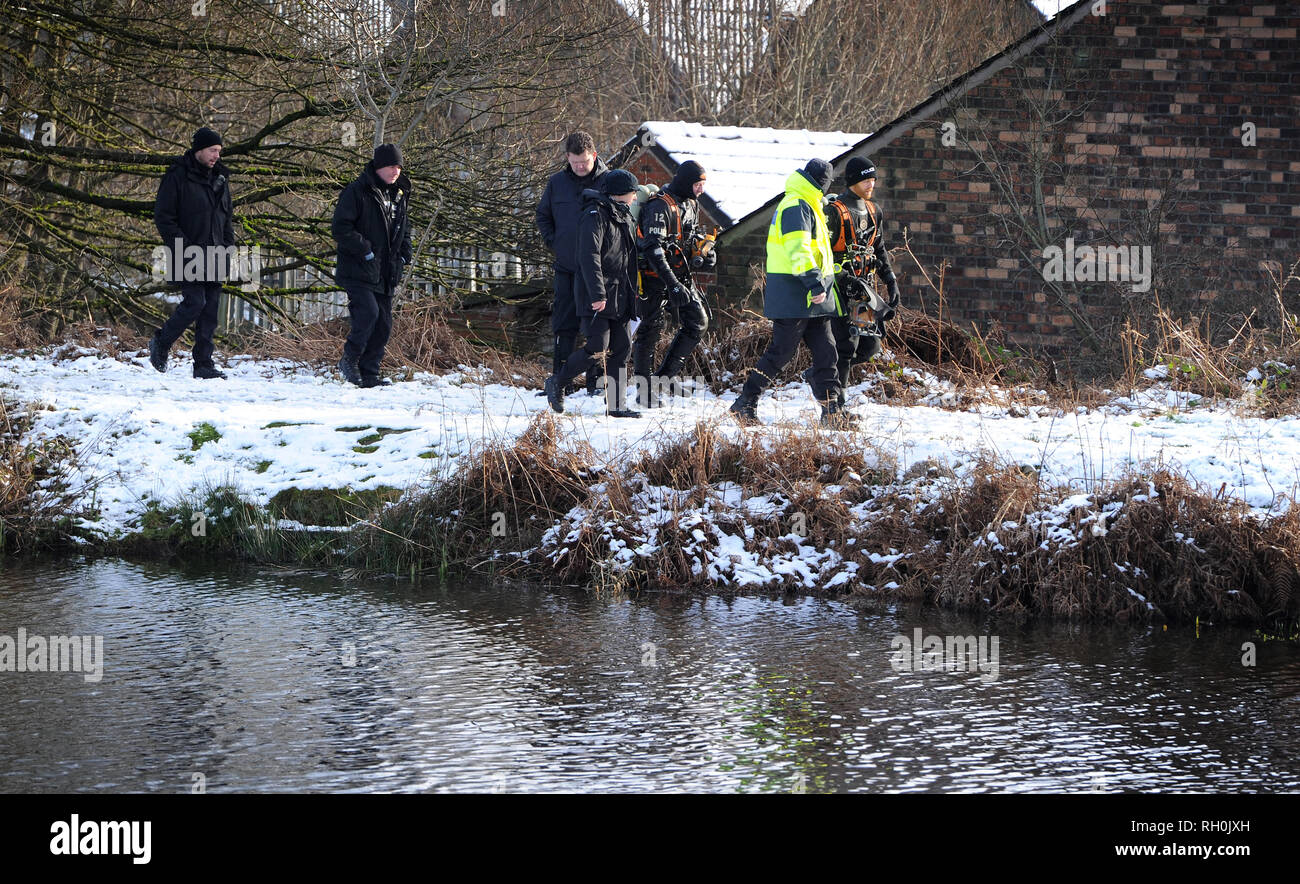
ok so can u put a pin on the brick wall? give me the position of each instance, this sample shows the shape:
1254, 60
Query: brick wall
1152, 98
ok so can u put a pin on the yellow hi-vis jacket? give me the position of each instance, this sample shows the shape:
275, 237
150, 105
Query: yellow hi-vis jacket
800, 263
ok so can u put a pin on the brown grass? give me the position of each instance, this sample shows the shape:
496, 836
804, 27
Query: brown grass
985, 547
999, 542
500, 498
761, 463
30, 514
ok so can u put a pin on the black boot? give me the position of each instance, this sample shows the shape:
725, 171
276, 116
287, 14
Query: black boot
745, 408
351, 373
555, 394
157, 353
835, 417
369, 382
208, 373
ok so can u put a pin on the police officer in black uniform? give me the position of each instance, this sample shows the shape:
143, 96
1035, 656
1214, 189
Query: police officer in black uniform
669, 223
854, 220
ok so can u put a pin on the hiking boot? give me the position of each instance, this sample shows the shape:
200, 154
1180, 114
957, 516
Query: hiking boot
351, 373
834, 417
555, 394
369, 382
208, 373
625, 412
157, 354
745, 408
592, 388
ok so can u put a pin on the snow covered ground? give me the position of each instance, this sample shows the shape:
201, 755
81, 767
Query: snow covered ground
283, 426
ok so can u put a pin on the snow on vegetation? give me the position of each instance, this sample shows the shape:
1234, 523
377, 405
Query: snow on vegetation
681, 496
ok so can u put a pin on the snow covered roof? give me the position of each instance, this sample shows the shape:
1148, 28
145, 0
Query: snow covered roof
746, 165
1050, 8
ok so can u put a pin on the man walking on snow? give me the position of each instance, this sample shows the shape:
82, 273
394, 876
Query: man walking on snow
193, 210
668, 225
606, 289
374, 247
558, 213
856, 227
799, 295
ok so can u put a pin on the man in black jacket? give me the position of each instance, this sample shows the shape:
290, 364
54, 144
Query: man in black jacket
606, 290
194, 216
856, 227
668, 224
558, 212
374, 247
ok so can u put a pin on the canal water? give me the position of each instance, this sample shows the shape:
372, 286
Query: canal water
263, 681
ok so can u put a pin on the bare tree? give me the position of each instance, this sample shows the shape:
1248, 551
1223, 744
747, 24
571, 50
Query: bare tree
100, 95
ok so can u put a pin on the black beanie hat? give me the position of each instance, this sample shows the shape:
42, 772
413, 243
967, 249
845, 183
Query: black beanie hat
204, 138
859, 169
819, 172
618, 181
687, 174
388, 155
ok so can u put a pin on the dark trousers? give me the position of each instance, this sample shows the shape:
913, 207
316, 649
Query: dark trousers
564, 319
565, 322
372, 323
786, 335
651, 310
198, 306
603, 334
850, 350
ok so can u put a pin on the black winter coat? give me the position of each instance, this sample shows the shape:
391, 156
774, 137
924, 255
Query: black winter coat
360, 226
560, 208
194, 205
606, 256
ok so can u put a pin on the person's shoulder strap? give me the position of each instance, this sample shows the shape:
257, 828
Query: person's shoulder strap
675, 212
848, 234
873, 212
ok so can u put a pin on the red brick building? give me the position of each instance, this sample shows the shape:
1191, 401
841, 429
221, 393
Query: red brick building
1170, 128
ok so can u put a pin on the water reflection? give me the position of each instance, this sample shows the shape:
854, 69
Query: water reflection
263, 681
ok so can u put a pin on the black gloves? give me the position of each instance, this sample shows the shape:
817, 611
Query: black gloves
679, 295
891, 308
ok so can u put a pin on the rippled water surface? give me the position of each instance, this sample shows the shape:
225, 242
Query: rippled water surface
260, 681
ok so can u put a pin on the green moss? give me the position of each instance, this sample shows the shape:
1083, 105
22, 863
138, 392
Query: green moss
365, 449
351, 429
329, 506
202, 432
262, 466
275, 425
381, 432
